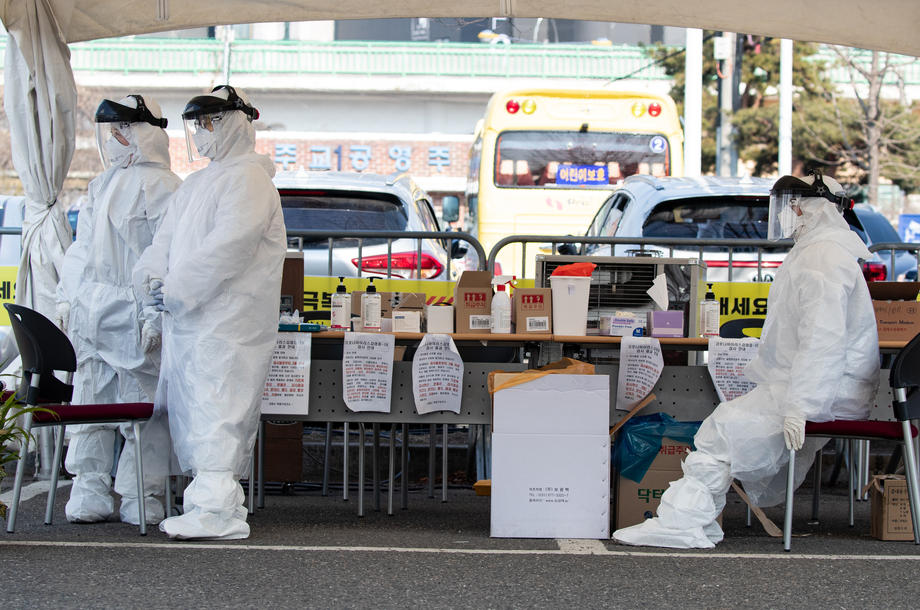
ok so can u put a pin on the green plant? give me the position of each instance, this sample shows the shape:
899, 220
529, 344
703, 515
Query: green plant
10, 430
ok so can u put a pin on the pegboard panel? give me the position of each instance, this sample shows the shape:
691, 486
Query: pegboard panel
326, 403
684, 392
687, 394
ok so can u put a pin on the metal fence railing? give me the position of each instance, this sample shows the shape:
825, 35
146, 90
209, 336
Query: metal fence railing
890, 250
754, 249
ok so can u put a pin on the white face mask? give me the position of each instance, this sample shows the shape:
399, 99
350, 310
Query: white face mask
206, 143
118, 154
798, 227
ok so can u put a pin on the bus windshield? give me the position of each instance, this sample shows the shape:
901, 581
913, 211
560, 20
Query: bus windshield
566, 159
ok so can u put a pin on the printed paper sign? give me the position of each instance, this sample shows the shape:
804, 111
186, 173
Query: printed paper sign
287, 387
437, 375
367, 371
640, 367
727, 359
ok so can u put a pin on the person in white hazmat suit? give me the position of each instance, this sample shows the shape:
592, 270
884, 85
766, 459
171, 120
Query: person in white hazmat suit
818, 360
117, 352
214, 269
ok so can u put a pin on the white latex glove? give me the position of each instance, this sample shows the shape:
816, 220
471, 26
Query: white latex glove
150, 337
62, 315
794, 431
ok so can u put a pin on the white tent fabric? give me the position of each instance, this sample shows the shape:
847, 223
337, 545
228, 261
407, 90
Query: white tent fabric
40, 98
886, 25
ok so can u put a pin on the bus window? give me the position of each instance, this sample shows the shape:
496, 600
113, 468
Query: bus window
534, 158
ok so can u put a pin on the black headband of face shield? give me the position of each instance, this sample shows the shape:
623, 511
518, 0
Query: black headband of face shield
211, 104
797, 186
113, 112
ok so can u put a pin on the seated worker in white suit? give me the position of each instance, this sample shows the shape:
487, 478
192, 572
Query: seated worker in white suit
818, 360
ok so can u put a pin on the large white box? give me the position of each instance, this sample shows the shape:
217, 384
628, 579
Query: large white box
551, 458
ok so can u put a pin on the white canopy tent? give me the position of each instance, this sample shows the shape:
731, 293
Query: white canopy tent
886, 25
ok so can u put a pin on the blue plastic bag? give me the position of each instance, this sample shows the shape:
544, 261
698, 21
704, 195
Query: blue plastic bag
639, 441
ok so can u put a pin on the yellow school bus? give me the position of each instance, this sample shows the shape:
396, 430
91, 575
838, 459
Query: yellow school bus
544, 160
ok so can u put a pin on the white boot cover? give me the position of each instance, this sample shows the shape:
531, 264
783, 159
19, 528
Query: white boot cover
688, 510
213, 509
90, 455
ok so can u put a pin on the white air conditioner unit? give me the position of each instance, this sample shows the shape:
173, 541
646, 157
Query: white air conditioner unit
621, 283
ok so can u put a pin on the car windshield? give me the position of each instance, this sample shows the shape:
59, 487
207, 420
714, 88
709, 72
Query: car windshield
342, 211
567, 159
878, 228
709, 218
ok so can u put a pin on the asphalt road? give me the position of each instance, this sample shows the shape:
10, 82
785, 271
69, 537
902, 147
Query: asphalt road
312, 551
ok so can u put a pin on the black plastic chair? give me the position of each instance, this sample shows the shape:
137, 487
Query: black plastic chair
905, 388
44, 349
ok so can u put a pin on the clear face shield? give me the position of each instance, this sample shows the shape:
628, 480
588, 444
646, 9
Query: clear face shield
783, 212
201, 135
115, 143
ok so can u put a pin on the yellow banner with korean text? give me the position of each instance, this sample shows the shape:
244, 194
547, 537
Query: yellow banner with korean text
742, 307
318, 290
7, 291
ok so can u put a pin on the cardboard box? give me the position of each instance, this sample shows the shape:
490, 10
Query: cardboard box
389, 302
890, 508
440, 319
407, 321
551, 458
897, 312
623, 324
665, 323
473, 302
283, 452
636, 502
533, 310
292, 282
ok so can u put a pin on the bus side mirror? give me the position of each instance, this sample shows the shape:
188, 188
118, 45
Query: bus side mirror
450, 208
458, 248
567, 249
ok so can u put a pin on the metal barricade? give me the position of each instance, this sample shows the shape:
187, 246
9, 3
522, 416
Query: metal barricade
893, 248
645, 246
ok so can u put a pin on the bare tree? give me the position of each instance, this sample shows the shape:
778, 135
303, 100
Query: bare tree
871, 133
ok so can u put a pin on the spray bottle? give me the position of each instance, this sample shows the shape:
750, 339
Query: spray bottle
340, 318
370, 308
709, 315
501, 305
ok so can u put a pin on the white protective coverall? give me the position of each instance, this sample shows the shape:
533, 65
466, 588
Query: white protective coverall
219, 253
124, 207
818, 359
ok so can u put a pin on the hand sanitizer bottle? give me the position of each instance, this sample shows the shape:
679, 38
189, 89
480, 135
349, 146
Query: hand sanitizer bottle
370, 308
340, 317
709, 315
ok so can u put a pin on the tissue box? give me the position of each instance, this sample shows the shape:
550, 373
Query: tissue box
665, 323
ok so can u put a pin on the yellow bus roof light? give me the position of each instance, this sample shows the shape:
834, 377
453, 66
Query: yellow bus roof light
638, 109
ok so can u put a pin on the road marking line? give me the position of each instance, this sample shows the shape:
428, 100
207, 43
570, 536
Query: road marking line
31, 490
236, 546
577, 546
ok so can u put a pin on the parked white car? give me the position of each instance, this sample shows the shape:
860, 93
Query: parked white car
342, 201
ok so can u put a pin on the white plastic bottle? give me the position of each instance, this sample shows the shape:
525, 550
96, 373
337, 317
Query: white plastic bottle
340, 316
370, 308
709, 315
501, 311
